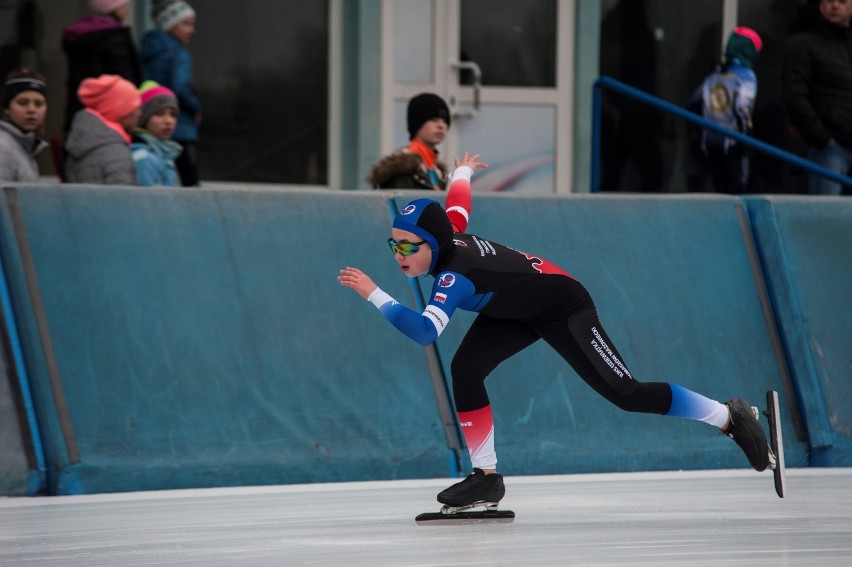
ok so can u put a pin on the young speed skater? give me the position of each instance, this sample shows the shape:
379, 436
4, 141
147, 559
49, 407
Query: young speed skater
520, 298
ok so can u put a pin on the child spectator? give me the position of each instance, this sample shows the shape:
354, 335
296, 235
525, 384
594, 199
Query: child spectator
726, 98
98, 146
166, 60
24, 109
416, 166
154, 152
98, 44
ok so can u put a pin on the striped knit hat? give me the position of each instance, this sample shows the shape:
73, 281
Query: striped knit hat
16, 85
155, 97
167, 14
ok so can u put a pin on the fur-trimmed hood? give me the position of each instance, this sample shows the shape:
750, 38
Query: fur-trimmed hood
404, 169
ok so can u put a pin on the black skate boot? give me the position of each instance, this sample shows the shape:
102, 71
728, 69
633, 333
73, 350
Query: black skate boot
477, 487
748, 434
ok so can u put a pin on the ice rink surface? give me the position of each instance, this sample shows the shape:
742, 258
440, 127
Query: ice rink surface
671, 518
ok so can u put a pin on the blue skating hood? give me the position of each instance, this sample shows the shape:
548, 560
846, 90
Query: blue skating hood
427, 219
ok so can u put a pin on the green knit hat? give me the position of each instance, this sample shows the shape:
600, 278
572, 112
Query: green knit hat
743, 44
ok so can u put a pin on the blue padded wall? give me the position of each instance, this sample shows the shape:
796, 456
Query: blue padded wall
202, 339
189, 338
806, 247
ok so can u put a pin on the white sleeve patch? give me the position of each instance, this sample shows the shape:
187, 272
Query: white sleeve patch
461, 211
379, 298
463, 172
438, 318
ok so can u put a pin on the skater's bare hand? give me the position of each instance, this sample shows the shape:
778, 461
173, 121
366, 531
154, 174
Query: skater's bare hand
470, 161
357, 280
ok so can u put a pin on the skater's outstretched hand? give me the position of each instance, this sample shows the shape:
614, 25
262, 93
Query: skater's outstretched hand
470, 161
357, 280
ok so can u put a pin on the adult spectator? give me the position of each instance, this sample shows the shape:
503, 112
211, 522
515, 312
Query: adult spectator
98, 44
416, 166
166, 60
24, 108
98, 144
818, 91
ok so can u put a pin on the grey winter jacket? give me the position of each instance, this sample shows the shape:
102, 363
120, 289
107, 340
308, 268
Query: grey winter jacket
17, 153
97, 154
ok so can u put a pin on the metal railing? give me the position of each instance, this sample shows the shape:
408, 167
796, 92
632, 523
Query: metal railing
609, 83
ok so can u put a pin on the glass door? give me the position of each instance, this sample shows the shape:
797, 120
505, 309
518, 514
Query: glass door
504, 69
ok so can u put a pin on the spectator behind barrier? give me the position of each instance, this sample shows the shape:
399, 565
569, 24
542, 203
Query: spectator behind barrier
726, 98
166, 60
98, 145
24, 109
98, 44
818, 91
417, 166
153, 149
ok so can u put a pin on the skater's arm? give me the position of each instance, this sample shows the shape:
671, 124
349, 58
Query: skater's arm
422, 328
458, 195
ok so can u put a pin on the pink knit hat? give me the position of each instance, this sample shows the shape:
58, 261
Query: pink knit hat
110, 95
752, 35
106, 6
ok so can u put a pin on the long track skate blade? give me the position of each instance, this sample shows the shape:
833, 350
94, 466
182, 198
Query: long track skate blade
773, 414
482, 516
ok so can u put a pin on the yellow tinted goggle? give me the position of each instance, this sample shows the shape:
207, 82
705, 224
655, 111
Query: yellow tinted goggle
405, 248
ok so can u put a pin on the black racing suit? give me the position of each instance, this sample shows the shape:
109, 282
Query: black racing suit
520, 298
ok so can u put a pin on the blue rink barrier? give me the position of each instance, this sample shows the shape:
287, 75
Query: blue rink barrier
197, 338
806, 252
200, 338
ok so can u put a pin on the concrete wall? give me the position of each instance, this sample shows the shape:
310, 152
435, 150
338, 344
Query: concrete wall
199, 337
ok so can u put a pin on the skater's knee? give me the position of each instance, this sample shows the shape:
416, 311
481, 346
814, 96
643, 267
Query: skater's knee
469, 392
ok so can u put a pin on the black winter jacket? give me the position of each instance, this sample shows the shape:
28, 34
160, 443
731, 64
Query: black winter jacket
97, 45
818, 84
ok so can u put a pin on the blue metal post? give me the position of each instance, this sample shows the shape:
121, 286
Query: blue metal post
37, 478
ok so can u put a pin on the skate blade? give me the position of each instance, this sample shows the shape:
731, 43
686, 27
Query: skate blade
489, 506
776, 442
478, 517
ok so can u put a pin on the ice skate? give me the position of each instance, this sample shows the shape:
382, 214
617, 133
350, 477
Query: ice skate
745, 430
478, 490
